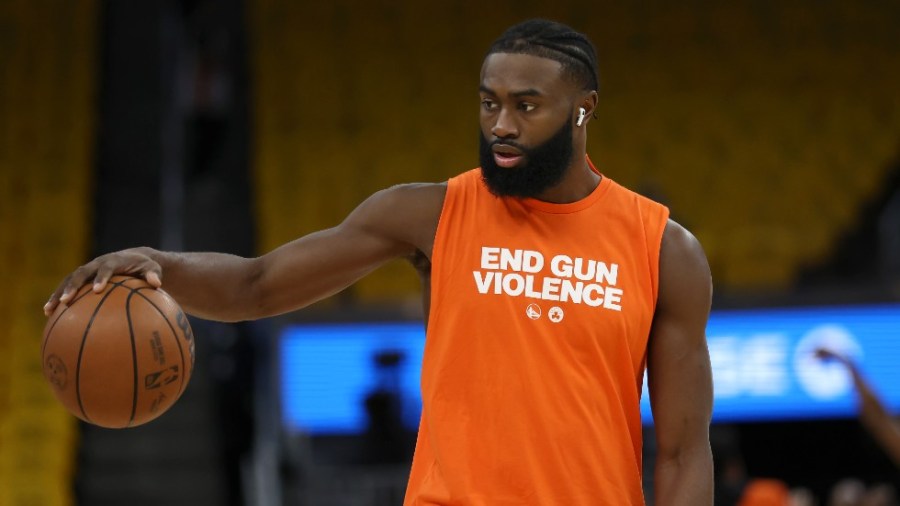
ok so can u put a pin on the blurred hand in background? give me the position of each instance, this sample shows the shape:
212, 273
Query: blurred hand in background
872, 413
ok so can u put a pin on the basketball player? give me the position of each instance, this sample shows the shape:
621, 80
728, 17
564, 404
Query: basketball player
548, 289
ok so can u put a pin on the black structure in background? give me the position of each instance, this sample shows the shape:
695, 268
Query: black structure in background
128, 151
172, 171
207, 88
386, 440
856, 252
218, 207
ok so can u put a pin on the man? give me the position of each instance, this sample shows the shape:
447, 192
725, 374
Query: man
548, 288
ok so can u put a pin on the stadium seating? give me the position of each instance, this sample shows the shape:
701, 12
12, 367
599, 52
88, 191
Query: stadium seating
46, 139
764, 125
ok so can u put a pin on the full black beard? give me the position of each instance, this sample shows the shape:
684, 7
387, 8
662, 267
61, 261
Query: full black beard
543, 166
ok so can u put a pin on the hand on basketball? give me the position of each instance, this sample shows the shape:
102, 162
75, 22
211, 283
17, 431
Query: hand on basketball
132, 262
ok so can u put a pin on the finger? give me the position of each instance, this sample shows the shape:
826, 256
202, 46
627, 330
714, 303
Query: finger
66, 293
823, 353
75, 281
102, 278
54, 299
827, 354
51, 304
153, 277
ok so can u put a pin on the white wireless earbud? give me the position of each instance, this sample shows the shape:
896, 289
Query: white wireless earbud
581, 113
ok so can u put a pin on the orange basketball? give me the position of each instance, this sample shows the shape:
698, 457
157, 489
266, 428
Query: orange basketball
118, 358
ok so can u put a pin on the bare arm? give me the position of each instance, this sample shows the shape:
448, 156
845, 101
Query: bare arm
872, 413
391, 223
679, 373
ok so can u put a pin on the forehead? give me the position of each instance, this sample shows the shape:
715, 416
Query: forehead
510, 72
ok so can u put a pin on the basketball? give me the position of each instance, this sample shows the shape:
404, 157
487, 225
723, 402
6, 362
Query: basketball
118, 358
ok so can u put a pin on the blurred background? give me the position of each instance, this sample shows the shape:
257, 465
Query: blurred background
770, 127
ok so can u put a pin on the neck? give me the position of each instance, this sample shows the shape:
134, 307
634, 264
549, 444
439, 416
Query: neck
577, 184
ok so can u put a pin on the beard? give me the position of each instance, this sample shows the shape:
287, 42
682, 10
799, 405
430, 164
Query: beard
542, 167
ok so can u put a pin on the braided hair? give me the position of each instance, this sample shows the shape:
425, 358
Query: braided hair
555, 41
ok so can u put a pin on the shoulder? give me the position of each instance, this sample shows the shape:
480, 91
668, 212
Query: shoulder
410, 200
409, 196
679, 246
684, 275
415, 193
407, 213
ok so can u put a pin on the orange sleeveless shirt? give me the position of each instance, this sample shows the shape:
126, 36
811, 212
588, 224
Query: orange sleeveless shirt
535, 349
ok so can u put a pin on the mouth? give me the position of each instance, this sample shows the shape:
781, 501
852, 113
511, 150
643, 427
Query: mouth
506, 156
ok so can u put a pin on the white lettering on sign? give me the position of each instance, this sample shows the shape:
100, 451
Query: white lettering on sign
756, 365
766, 364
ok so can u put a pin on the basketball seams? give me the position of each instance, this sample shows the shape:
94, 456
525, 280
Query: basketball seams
61, 313
174, 333
134, 361
87, 331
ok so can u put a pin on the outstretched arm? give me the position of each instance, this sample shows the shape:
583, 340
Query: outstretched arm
872, 413
391, 223
679, 373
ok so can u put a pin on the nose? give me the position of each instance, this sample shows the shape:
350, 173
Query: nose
505, 127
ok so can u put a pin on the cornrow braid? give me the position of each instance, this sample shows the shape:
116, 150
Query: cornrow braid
556, 41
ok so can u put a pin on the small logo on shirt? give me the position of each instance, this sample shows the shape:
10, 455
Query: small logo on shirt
533, 311
555, 314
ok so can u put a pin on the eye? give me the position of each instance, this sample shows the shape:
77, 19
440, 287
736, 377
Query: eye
527, 107
488, 104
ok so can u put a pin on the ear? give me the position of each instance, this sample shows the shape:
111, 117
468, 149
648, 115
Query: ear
589, 103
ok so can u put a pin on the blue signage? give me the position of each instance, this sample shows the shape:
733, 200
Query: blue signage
764, 366
328, 371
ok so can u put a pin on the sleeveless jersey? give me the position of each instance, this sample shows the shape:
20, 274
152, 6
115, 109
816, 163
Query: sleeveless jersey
535, 349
